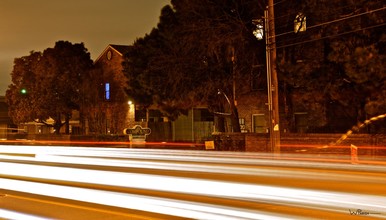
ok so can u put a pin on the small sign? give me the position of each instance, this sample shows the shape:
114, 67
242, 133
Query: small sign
137, 130
209, 145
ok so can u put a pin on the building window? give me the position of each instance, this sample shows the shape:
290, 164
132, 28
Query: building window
300, 23
202, 114
156, 116
259, 125
109, 55
107, 91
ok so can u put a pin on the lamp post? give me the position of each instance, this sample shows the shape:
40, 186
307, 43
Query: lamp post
130, 117
232, 114
219, 92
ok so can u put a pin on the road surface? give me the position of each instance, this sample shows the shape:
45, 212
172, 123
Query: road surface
39, 182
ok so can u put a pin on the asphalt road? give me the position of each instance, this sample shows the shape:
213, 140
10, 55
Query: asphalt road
38, 182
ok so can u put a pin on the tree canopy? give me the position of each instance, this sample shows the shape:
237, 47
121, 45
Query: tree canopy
338, 61
333, 70
197, 49
52, 81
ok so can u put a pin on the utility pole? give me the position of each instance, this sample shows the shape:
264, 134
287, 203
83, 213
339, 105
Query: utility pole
272, 80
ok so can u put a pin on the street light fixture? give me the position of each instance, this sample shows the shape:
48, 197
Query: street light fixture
219, 92
259, 31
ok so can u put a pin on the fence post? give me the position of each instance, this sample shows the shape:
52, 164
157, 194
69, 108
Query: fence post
354, 154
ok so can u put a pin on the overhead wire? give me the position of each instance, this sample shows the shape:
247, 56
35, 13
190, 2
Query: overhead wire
331, 36
291, 15
336, 20
330, 22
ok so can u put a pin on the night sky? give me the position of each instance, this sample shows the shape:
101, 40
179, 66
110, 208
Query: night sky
28, 25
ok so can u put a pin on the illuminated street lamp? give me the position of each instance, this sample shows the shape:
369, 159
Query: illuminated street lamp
130, 117
259, 31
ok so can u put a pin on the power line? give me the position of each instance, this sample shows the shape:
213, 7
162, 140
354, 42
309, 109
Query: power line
330, 10
336, 20
279, 2
331, 36
293, 14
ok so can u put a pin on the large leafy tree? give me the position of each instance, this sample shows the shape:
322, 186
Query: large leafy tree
338, 62
24, 81
359, 52
198, 49
51, 83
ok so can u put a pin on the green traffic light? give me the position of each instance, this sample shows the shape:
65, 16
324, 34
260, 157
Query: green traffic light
23, 91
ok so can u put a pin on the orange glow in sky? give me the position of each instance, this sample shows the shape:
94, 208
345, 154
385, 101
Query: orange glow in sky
36, 25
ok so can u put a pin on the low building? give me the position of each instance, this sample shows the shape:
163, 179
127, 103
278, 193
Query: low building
7, 128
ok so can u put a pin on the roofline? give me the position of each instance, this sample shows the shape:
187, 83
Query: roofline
107, 48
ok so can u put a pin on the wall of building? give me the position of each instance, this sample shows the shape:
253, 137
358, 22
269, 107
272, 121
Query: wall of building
251, 105
115, 107
370, 145
5, 121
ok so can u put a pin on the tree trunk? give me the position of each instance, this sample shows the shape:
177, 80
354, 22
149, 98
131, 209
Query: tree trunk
219, 123
221, 119
235, 119
57, 126
67, 122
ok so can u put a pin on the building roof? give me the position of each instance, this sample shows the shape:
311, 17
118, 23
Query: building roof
120, 49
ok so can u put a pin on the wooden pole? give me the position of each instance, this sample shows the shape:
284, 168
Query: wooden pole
273, 87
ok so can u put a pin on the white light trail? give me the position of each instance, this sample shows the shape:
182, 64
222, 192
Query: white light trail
186, 156
22, 162
150, 204
7, 214
207, 168
193, 161
243, 191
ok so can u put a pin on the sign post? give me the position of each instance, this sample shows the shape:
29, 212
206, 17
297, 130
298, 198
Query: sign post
354, 154
137, 133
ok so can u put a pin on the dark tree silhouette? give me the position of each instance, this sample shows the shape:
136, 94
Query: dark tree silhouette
52, 81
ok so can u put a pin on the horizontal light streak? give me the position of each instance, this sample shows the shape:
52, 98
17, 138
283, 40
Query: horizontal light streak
175, 144
126, 143
324, 146
209, 168
302, 160
243, 191
206, 168
8, 214
145, 203
196, 161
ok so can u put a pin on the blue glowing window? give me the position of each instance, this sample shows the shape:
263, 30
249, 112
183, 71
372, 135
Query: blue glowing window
107, 91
